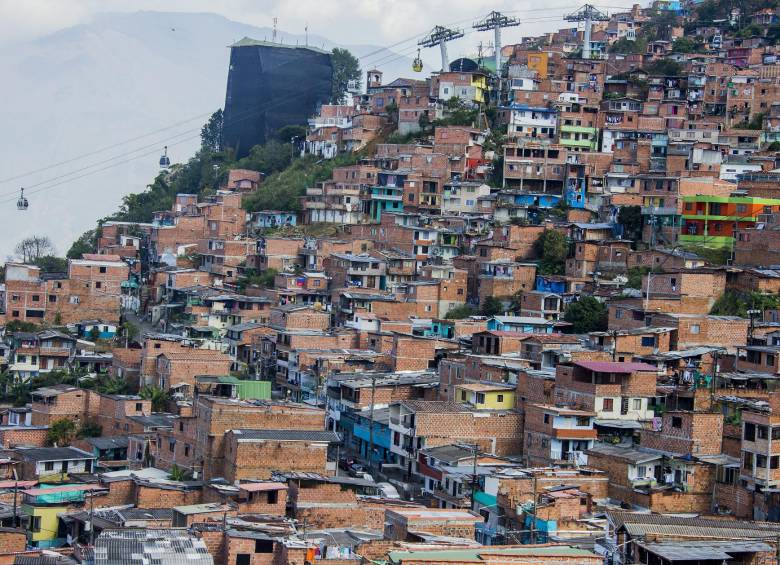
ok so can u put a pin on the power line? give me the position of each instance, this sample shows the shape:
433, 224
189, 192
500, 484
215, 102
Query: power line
103, 149
125, 157
146, 154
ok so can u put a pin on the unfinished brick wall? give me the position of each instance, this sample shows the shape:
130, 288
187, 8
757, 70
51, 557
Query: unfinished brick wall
215, 539
398, 525
71, 404
216, 416
499, 433
12, 541
258, 459
687, 432
28, 437
148, 496
235, 546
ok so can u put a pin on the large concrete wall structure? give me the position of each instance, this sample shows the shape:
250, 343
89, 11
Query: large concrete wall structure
270, 86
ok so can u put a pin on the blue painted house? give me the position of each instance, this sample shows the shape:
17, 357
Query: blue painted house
388, 194
382, 436
550, 284
522, 324
532, 199
104, 330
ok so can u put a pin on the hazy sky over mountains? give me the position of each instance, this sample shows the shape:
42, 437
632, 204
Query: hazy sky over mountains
345, 21
78, 79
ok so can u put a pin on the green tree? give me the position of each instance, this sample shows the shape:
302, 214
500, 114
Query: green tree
686, 45
20, 326
288, 133
86, 243
254, 278
392, 112
158, 397
460, 312
178, 474
89, 428
111, 385
491, 306
457, 113
268, 158
553, 249
664, 67
736, 303
51, 264
283, 190
627, 47
635, 275
130, 331
94, 334
212, 131
630, 217
586, 315
61, 432
346, 69
757, 122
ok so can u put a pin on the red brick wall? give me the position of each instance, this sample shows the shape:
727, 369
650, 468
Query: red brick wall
698, 433
151, 497
257, 460
10, 438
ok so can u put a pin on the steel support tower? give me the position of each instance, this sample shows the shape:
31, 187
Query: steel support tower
496, 21
440, 36
587, 14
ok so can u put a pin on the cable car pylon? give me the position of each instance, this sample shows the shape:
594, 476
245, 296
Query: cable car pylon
440, 36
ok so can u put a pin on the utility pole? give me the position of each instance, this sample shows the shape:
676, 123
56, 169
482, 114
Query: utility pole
371, 423
614, 344
496, 21
91, 519
714, 376
475, 447
16, 489
533, 521
440, 36
587, 14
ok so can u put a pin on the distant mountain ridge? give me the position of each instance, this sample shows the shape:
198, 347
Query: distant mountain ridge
119, 76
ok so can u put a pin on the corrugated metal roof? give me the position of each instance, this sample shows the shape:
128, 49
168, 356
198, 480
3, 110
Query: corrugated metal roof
643, 524
287, 435
614, 366
690, 550
139, 547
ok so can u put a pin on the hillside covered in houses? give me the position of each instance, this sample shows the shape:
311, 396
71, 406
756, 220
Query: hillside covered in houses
523, 309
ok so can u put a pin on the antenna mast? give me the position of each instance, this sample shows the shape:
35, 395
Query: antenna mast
496, 21
440, 36
587, 14
273, 35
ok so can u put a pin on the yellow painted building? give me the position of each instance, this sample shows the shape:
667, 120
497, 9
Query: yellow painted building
43, 505
486, 396
480, 83
539, 62
43, 524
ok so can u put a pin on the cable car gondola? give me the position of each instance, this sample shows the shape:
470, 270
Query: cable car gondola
22, 203
165, 162
417, 64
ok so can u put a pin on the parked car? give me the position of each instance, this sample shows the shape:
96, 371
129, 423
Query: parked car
356, 470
